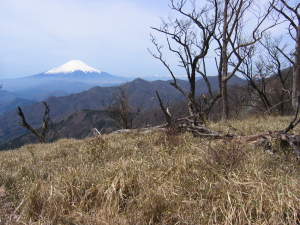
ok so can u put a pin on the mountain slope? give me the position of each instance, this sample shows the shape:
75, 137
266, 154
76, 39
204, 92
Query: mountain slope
142, 93
77, 125
13, 104
6, 96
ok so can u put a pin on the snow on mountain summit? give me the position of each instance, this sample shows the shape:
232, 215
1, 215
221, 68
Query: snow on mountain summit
72, 66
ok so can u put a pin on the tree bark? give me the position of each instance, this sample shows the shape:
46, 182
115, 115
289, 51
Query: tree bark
225, 113
296, 70
225, 102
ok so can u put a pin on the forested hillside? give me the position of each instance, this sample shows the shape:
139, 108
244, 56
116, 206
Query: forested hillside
142, 93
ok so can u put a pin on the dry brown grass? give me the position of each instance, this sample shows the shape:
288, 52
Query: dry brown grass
154, 178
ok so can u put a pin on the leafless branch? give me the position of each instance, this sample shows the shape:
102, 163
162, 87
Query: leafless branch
46, 120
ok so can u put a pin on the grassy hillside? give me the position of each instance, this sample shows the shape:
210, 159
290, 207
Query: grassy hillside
152, 178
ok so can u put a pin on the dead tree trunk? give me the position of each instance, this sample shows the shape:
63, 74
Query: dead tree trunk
296, 67
168, 115
234, 40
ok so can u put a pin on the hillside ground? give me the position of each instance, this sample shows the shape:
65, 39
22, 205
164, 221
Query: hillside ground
153, 178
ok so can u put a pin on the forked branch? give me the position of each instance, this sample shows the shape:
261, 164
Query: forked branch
46, 120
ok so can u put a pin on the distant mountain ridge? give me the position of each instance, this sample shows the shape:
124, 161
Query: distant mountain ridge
69, 78
12, 105
95, 79
76, 86
142, 93
70, 72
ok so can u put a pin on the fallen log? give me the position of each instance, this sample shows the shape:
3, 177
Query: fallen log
266, 139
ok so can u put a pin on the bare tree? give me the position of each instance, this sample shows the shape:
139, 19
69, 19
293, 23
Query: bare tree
267, 72
256, 75
189, 39
119, 108
46, 120
290, 12
276, 65
235, 44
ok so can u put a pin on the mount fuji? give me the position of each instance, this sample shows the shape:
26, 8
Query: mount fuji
72, 66
71, 77
77, 71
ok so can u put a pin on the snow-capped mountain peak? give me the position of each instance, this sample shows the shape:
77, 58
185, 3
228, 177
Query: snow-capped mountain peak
72, 66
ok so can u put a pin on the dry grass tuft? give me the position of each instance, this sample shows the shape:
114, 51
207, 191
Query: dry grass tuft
226, 155
154, 178
170, 137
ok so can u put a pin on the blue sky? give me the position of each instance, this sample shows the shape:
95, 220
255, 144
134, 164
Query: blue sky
109, 35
